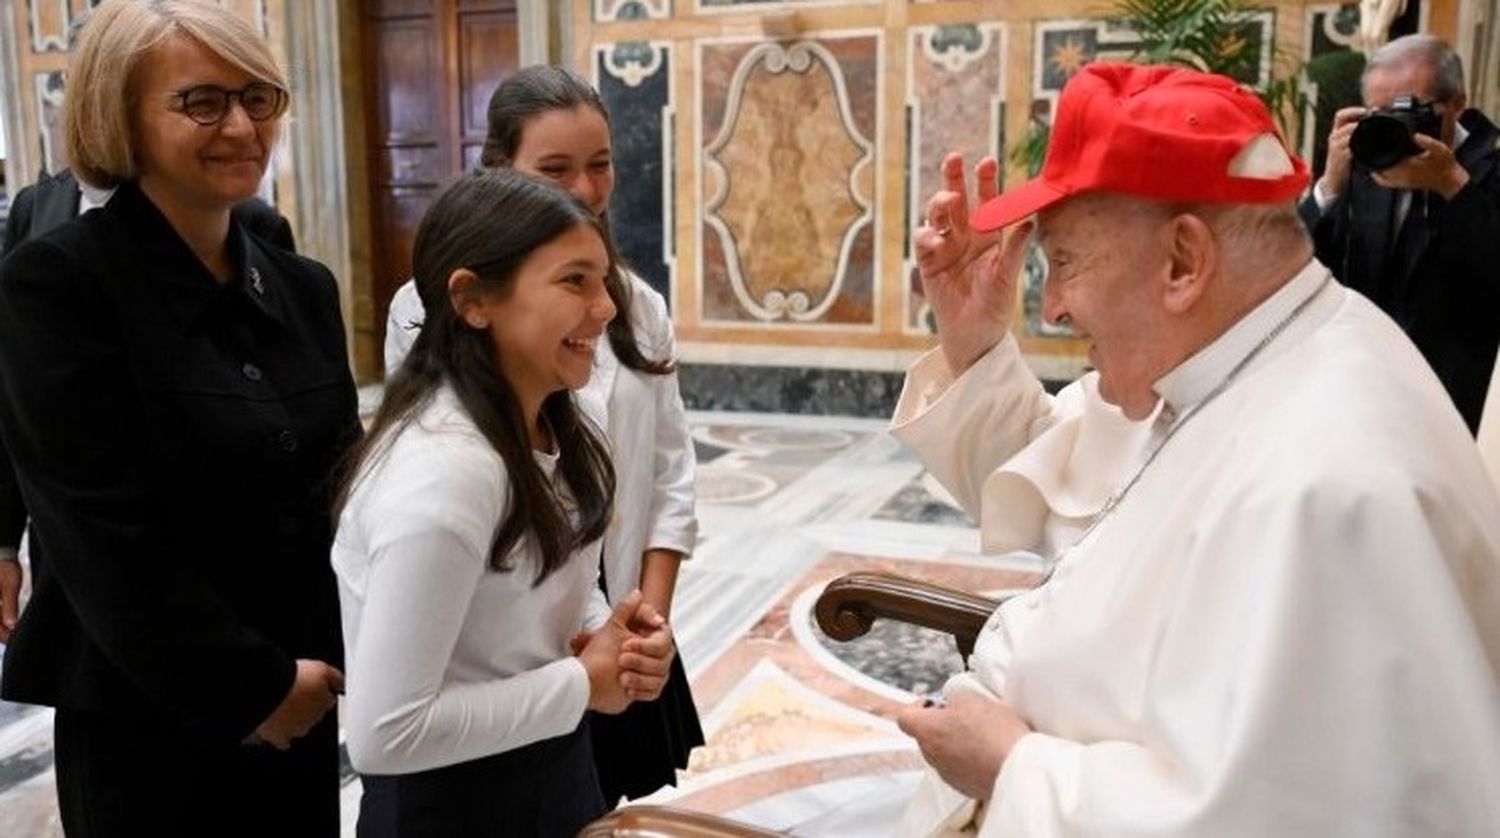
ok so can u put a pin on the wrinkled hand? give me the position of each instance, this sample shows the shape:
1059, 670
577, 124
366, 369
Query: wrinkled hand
966, 741
969, 278
646, 658
1435, 170
1340, 161
314, 692
11, 577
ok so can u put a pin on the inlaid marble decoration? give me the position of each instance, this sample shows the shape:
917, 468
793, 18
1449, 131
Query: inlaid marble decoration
769, 5
48, 88
54, 23
955, 101
635, 82
1332, 67
788, 180
607, 11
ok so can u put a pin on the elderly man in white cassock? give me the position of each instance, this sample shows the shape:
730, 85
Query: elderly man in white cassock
1275, 602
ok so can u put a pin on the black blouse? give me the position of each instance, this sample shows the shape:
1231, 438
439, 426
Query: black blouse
175, 440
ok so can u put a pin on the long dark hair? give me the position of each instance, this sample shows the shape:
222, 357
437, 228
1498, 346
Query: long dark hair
528, 93
490, 222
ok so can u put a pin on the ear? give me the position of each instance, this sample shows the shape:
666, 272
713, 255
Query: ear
1193, 260
463, 293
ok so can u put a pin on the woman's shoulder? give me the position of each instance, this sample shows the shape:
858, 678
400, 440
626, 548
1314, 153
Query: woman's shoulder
435, 471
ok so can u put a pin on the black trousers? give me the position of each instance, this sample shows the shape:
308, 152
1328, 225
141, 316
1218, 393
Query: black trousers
547, 789
121, 778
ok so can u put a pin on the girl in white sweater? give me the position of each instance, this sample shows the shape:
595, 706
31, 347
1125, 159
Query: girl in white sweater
467, 548
548, 122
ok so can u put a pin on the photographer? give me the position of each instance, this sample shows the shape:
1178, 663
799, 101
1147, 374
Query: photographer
1417, 229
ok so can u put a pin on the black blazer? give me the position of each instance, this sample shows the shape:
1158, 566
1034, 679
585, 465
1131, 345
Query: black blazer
1439, 274
48, 204
174, 441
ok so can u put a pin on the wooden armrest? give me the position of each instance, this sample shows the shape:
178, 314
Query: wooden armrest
666, 822
852, 603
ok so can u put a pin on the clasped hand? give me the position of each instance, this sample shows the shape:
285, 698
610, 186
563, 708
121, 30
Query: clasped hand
628, 658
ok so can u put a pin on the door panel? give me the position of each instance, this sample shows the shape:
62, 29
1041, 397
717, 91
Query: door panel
434, 64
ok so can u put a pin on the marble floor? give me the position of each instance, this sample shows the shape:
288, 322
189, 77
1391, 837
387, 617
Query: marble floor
797, 725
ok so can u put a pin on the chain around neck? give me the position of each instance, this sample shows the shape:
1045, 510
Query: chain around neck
1218, 389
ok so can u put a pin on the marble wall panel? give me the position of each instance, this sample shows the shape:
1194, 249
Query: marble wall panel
48, 90
788, 162
51, 24
612, 10
763, 5
635, 82
1333, 64
955, 102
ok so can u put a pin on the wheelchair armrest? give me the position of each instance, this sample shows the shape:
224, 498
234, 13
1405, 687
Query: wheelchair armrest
851, 604
667, 822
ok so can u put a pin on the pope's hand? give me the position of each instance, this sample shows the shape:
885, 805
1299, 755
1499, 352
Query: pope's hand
969, 278
966, 741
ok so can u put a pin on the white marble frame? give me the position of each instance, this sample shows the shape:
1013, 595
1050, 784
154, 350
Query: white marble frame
661, 50
18, 159
769, 6
655, 10
877, 201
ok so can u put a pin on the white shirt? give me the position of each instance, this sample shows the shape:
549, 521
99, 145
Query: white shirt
643, 416
447, 660
1291, 624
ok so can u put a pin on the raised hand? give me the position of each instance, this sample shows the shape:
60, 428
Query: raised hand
969, 278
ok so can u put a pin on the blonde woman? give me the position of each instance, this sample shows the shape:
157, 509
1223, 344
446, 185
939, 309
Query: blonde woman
175, 393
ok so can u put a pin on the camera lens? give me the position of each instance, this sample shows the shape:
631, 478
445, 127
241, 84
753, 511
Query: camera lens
1382, 140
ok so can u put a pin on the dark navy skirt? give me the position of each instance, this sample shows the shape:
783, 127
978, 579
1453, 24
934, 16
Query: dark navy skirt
640, 750
547, 789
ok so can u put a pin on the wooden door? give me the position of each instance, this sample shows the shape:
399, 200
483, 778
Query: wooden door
433, 65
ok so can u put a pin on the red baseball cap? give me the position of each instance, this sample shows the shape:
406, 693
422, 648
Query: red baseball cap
1162, 133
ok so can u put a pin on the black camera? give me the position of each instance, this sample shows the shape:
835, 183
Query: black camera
1383, 136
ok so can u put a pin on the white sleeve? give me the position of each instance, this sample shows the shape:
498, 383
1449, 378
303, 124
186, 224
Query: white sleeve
965, 427
402, 323
399, 715
674, 524
427, 556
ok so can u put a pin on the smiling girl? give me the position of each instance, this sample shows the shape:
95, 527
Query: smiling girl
467, 545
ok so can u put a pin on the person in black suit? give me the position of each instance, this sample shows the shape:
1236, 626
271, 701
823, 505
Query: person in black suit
51, 202
176, 396
1421, 239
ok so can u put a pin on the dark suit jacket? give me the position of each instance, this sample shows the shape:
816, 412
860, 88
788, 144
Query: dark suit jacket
1439, 274
48, 204
174, 440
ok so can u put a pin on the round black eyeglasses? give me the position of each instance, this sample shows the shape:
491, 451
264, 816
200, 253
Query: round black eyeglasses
208, 104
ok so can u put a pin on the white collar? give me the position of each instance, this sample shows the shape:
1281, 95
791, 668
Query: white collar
1194, 378
92, 197
1460, 135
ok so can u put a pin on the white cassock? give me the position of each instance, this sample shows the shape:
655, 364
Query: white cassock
1289, 626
